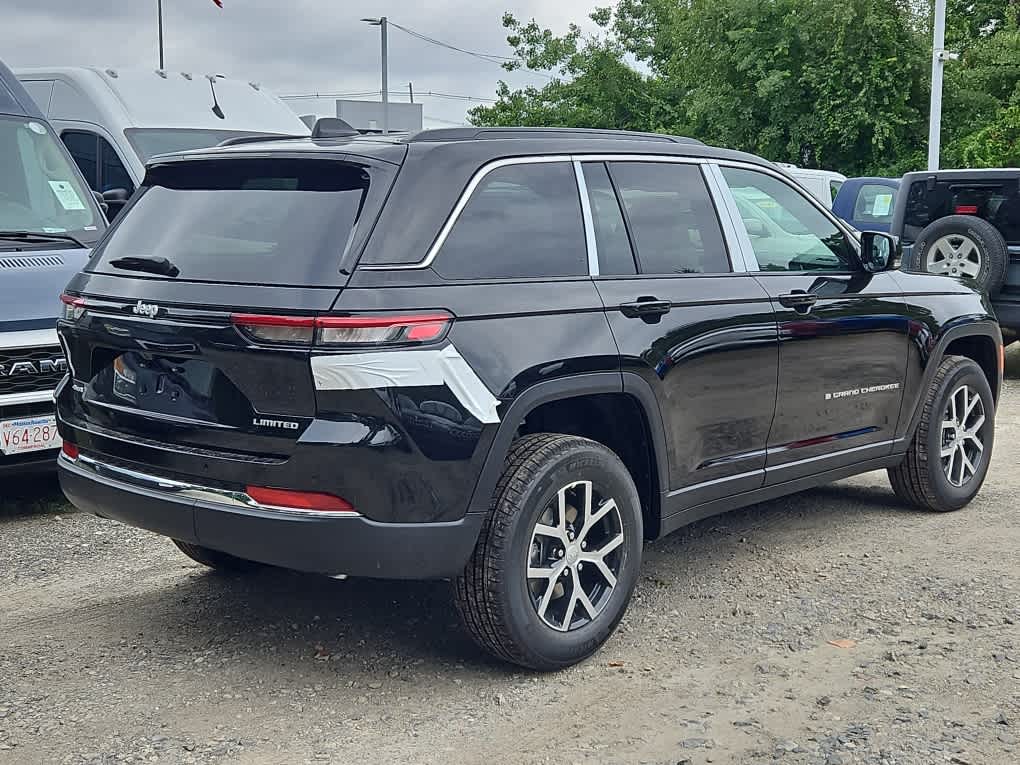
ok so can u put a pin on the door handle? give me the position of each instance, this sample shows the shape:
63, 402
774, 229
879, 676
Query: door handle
646, 308
798, 300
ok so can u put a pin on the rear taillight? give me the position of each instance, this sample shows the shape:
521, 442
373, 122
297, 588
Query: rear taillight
333, 331
966, 209
288, 499
70, 450
74, 307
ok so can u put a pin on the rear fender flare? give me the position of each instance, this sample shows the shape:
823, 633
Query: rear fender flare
561, 389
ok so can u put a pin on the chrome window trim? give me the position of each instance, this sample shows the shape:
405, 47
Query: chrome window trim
458, 208
737, 241
227, 497
588, 219
752, 260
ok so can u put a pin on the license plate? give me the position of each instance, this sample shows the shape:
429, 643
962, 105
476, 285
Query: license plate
29, 434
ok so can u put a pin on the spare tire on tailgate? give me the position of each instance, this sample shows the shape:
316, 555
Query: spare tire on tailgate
965, 246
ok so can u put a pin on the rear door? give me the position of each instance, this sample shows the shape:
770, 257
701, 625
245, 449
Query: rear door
688, 320
180, 355
842, 331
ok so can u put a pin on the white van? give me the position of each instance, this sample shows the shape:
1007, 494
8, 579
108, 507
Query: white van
113, 120
823, 184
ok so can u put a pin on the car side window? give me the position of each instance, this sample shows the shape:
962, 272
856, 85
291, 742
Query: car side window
787, 232
874, 203
521, 221
673, 223
615, 255
84, 150
114, 174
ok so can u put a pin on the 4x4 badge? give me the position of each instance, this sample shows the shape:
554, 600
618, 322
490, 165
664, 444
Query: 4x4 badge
145, 309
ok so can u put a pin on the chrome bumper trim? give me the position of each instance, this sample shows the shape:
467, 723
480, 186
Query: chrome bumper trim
184, 490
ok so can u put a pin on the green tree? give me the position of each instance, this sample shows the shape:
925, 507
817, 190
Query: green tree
807, 81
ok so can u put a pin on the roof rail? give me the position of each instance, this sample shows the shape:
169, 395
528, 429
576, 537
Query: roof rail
257, 138
482, 133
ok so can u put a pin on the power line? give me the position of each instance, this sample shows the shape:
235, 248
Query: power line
490, 57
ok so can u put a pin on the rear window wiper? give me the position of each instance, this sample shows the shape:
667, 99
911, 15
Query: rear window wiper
42, 236
146, 263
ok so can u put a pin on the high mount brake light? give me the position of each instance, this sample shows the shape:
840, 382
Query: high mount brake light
378, 329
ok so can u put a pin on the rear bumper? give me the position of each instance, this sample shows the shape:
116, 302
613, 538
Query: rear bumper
1008, 314
352, 545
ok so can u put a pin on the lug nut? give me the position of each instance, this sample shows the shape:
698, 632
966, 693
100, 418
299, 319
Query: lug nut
584, 545
559, 553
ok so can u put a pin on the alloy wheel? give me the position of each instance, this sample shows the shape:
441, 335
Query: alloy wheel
962, 442
954, 255
575, 556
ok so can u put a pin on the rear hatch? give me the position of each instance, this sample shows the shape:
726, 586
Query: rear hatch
162, 329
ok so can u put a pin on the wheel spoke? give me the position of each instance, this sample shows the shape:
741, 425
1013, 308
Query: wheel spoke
545, 572
542, 530
544, 603
952, 463
939, 267
582, 596
608, 575
963, 460
608, 547
973, 438
967, 467
607, 507
970, 407
947, 451
945, 249
561, 503
568, 617
969, 268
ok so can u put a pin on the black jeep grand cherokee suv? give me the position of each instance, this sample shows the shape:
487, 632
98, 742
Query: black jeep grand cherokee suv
503, 357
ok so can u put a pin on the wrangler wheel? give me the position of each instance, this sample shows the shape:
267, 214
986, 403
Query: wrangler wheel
558, 556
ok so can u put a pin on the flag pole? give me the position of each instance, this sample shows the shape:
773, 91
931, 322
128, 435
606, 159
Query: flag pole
159, 17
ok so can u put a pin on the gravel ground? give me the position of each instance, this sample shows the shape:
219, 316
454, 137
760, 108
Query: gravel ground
115, 648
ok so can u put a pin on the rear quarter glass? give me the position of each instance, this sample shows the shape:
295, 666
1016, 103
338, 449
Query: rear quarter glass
249, 221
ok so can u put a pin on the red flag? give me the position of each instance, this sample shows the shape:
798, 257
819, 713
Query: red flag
219, 3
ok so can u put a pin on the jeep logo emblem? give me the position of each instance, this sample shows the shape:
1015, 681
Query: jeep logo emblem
43, 367
145, 309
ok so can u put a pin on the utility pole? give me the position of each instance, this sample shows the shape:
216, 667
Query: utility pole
381, 23
939, 56
159, 21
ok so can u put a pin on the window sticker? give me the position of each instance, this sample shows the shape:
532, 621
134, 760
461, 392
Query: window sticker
66, 195
882, 204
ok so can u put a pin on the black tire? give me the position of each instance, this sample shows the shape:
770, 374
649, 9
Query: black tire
493, 595
920, 479
994, 255
214, 559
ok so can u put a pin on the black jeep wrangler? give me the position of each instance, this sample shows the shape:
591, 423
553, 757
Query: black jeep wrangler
965, 223
503, 357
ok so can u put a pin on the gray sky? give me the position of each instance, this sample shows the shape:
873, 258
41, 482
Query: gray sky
290, 46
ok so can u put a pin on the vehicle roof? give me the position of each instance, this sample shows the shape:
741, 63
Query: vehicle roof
443, 141
876, 179
809, 172
962, 173
164, 99
14, 99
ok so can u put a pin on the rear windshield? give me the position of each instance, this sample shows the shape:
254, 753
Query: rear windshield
252, 221
997, 202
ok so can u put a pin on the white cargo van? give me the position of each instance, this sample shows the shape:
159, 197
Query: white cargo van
113, 120
823, 184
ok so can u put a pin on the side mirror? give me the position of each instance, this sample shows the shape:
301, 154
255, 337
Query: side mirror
115, 200
878, 251
101, 201
756, 228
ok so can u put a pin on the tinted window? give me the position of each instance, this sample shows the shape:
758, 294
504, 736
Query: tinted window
874, 203
249, 221
615, 256
521, 221
114, 176
672, 220
83, 148
787, 232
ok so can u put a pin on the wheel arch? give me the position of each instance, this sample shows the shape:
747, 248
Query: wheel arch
980, 341
586, 405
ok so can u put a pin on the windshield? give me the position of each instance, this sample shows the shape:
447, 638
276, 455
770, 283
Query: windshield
39, 188
254, 221
149, 142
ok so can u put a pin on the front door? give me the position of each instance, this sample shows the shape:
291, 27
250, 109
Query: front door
842, 331
699, 331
